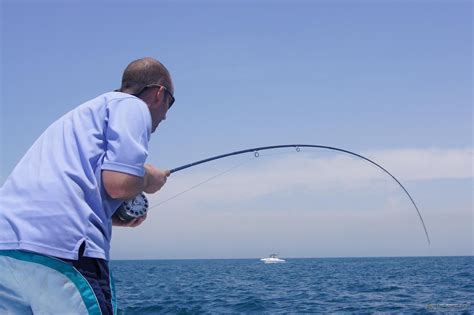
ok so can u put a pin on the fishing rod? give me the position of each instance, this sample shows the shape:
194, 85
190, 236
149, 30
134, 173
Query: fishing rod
138, 206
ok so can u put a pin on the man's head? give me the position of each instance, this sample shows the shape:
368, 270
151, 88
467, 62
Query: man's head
149, 80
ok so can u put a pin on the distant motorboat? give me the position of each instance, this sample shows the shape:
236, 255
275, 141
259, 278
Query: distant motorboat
272, 259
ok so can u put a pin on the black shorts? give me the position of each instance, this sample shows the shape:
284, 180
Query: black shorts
97, 273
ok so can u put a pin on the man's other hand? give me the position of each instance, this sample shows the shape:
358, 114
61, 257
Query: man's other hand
116, 221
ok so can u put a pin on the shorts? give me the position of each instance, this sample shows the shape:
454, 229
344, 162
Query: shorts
32, 283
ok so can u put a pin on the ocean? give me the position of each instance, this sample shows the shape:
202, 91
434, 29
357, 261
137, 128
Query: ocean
320, 285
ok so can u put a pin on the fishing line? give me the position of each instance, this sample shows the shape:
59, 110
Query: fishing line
256, 155
203, 182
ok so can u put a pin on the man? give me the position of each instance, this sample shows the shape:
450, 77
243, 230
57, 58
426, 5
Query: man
58, 205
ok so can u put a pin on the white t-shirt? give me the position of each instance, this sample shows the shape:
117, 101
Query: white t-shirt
54, 200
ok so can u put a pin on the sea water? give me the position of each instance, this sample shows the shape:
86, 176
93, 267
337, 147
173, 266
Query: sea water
323, 285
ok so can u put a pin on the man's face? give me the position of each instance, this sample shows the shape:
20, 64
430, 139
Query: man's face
163, 99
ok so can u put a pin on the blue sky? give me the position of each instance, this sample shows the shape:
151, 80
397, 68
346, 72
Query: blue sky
392, 80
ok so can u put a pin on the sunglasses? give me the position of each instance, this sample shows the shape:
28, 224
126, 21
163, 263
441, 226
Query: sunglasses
171, 97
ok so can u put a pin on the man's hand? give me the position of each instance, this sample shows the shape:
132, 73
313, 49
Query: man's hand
154, 178
124, 186
116, 221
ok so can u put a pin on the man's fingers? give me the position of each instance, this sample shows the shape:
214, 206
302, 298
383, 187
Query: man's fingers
137, 221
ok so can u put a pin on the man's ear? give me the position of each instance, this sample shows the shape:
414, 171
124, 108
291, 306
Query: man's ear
160, 93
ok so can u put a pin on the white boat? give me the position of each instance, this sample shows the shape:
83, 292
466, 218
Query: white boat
272, 259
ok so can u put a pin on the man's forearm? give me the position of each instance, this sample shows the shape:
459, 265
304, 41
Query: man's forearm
123, 186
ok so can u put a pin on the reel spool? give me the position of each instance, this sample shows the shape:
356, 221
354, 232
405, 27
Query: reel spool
133, 208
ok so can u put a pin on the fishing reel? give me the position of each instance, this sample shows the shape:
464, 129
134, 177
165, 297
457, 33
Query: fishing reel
134, 208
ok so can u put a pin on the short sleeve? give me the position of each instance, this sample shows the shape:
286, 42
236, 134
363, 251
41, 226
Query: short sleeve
127, 135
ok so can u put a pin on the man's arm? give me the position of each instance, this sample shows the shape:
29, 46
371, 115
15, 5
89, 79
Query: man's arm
121, 185
124, 186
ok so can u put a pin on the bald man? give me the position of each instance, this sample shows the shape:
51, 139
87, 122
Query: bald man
58, 205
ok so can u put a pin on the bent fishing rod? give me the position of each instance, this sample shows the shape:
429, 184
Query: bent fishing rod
138, 206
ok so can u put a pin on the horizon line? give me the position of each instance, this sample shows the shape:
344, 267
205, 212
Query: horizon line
288, 257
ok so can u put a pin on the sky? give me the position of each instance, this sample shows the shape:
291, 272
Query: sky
391, 80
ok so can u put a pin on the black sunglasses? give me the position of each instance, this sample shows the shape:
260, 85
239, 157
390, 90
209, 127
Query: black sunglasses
172, 99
